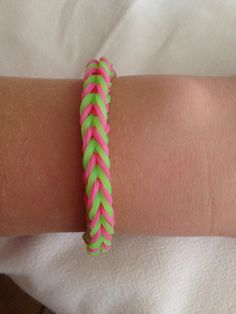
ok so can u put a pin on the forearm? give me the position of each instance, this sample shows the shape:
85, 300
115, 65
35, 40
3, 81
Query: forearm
40, 151
172, 152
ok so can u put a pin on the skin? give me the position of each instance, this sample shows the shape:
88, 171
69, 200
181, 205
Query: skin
172, 151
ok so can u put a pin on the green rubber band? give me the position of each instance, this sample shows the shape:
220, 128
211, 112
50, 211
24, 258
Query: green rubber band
94, 111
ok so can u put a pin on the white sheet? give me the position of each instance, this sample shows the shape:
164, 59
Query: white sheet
148, 275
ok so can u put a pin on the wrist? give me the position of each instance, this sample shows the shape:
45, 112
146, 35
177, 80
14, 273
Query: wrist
170, 154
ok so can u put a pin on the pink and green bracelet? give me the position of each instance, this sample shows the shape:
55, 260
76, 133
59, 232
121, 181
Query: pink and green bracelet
94, 110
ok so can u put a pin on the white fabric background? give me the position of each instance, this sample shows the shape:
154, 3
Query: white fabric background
148, 275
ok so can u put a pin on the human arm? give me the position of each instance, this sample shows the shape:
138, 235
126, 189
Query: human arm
172, 150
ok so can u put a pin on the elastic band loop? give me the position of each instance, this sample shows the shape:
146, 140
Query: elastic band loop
94, 108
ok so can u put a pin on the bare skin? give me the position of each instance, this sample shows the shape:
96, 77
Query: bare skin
172, 151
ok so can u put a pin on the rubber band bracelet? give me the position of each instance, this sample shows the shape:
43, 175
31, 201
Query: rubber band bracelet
94, 110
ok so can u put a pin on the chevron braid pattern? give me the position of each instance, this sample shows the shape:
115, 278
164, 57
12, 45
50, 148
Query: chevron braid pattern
94, 110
